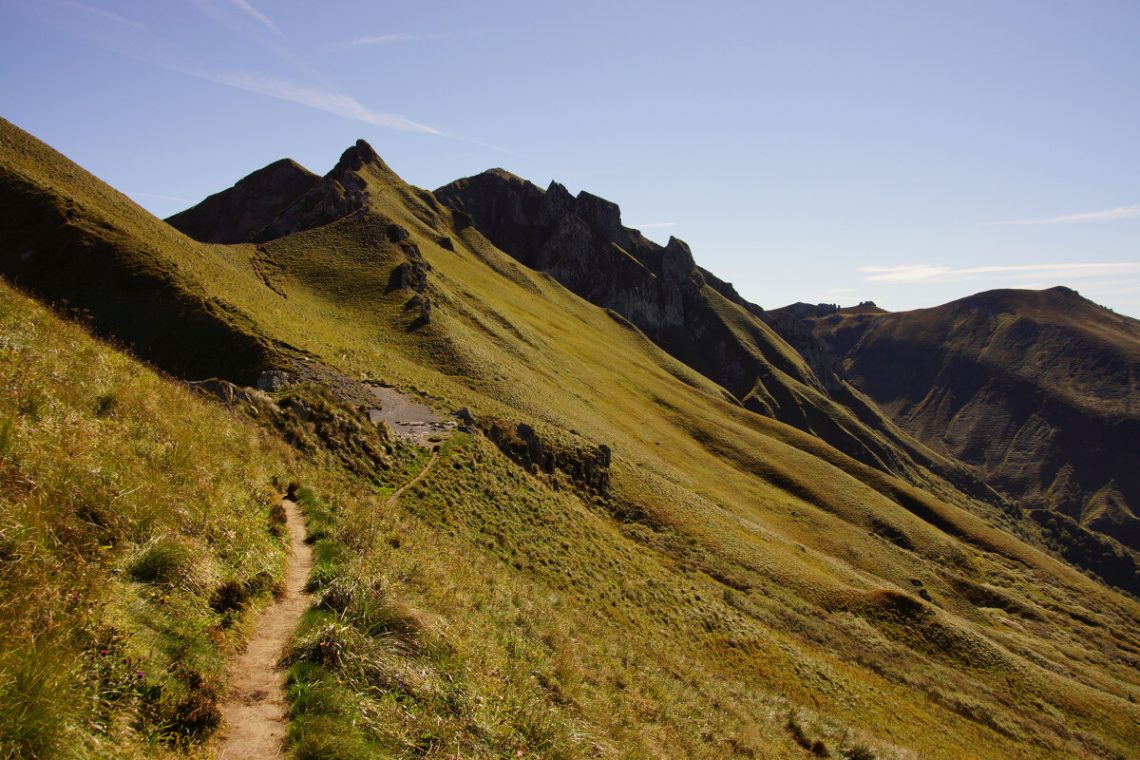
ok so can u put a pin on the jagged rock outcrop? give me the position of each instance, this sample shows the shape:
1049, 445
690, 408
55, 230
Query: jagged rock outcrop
588, 467
284, 198
583, 244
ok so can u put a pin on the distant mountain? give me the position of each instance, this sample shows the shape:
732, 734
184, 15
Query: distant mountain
1039, 391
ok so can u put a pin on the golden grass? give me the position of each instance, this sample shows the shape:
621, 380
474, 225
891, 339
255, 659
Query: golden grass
739, 570
125, 505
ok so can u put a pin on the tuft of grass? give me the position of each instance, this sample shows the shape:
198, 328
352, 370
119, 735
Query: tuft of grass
163, 561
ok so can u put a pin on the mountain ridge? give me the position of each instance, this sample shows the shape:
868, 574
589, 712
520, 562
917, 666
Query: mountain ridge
736, 578
1034, 389
772, 367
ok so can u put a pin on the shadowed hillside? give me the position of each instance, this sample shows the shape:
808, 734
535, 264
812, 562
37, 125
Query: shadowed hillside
1036, 389
615, 558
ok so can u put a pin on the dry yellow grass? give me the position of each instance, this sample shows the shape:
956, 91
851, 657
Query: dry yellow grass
738, 571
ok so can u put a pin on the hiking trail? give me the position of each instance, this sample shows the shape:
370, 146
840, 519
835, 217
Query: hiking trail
254, 713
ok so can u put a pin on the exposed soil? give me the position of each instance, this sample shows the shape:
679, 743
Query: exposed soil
254, 712
412, 421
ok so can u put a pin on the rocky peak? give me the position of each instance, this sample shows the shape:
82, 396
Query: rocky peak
558, 201
500, 173
284, 198
237, 215
356, 158
602, 216
677, 262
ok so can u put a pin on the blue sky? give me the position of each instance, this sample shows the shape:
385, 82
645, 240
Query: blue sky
904, 152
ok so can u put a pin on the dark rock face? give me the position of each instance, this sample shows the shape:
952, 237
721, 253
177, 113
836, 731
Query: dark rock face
582, 243
237, 215
283, 198
273, 380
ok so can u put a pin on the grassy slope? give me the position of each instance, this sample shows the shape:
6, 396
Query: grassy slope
125, 505
74, 241
740, 567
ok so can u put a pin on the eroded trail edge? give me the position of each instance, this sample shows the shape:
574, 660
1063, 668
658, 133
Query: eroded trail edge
255, 712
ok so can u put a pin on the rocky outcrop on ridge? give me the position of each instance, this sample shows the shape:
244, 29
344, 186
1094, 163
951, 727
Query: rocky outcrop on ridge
283, 198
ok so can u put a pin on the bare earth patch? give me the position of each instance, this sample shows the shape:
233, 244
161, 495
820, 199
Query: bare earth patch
410, 420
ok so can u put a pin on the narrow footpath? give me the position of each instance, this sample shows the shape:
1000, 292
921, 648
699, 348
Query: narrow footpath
255, 716
413, 481
254, 712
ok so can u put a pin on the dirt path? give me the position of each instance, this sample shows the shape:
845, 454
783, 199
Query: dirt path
413, 481
254, 711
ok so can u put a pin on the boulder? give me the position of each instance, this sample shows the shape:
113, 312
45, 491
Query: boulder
273, 380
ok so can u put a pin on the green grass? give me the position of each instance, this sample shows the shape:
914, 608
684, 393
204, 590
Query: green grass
126, 504
737, 570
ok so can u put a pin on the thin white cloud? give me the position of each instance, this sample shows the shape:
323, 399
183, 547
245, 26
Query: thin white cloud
133, 40
321, 99
245, 7
106, 30
924, 273
1105, 215
377, 39
653, 225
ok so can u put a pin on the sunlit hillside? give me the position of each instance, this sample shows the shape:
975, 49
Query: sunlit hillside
615, 558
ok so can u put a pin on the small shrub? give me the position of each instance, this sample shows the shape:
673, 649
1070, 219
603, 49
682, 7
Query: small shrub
106, 405
321, 738
815, 746
277, 519
229, 597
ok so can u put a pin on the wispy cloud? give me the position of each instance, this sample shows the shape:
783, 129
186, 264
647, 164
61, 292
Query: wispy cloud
321, 99
925, 273
134, 40
247, 8
1105, 215
376, 39
653, 225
